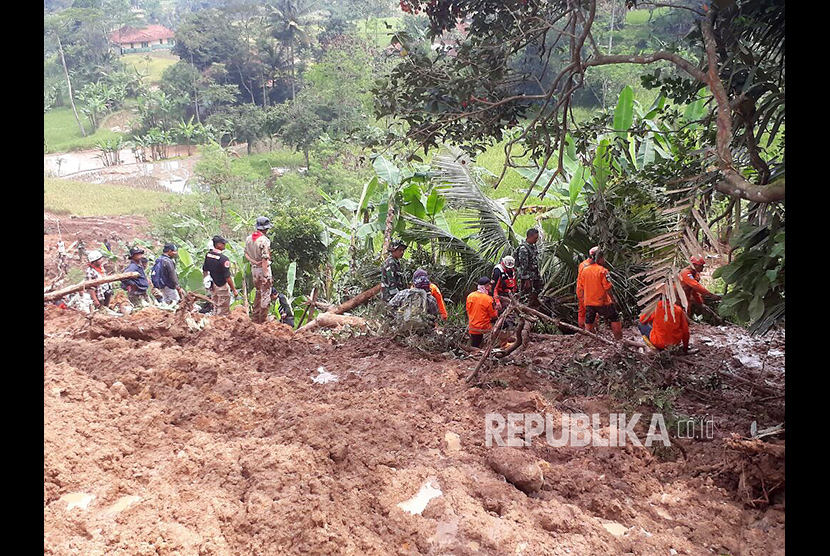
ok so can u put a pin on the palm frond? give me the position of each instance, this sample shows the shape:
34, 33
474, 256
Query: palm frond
487, 219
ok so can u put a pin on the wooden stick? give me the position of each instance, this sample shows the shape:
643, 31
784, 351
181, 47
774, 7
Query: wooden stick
543, 316
308, 306
52, 296
493, 335
245, 294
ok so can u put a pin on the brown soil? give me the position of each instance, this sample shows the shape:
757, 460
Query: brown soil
226, 445
92, 231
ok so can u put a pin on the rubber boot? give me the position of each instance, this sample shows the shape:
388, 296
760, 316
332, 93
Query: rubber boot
589, 328
616, 328
581, 322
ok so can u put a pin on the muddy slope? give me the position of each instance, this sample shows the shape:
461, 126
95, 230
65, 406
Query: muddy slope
160, 439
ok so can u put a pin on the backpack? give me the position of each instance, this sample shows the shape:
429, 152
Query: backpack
155, 274
411, 314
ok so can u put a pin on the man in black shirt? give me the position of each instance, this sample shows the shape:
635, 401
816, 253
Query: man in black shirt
217, 272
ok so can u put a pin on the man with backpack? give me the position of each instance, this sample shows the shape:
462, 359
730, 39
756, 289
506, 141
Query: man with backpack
136, 287
416, 308
164, 275
217, 274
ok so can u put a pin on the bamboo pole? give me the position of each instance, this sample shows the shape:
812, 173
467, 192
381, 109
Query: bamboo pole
52, 296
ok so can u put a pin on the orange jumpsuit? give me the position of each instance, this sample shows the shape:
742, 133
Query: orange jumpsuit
579, 296
593, 286
690, 280
439, 299
480, 312
665, 330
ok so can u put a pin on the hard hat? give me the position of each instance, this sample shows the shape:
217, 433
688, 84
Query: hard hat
263, 223
697, 259
94, 255
509, 261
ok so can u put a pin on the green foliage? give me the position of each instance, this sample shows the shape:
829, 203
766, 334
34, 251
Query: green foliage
757, 272
295, 237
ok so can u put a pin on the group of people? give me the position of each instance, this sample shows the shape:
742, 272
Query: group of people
424, 304
163, 282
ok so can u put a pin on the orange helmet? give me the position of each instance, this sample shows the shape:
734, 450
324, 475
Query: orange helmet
697, 259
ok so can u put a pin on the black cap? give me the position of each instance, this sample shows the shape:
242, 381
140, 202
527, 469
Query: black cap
169, 247
218, 239
135, 251
484, 280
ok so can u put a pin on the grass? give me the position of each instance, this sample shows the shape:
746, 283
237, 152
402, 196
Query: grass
376, 30
260, 165
89, 199
60, 130
151, 64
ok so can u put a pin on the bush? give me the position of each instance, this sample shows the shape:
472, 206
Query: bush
295, 237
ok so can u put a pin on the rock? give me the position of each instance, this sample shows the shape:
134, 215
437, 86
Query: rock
119, 389
519, 469
339, 453
453, 442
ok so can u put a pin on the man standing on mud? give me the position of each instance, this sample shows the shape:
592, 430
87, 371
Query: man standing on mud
102, 294
692, 288
258, 253
595, 288
528, 265
217, 269
171, 292
136, 287
580, 297
391, 276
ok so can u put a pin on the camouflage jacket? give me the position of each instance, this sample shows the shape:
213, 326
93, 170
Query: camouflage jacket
391, 278
527, 262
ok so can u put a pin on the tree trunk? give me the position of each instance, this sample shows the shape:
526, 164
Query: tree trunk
390, 218
356, 301
52, 296
69, 86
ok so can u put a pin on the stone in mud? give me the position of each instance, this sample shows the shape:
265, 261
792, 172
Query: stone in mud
519, 469
339, 453
119, 390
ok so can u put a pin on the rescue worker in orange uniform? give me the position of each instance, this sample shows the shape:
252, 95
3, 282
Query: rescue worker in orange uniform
581, 298
595, 288
504, 280
481, 311
436, 293
662, 328
690, 279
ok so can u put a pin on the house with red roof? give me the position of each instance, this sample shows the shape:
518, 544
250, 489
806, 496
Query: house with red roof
146, 39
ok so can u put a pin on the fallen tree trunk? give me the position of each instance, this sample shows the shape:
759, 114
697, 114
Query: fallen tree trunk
356, 301
331, 320
52, 296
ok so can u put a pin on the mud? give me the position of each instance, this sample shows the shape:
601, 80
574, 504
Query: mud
224, 444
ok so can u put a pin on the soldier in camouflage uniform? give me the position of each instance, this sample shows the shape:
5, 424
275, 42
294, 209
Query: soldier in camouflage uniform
391, 276
527, 263
416, 310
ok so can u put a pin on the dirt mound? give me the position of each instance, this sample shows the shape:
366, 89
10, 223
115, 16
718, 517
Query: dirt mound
236, 438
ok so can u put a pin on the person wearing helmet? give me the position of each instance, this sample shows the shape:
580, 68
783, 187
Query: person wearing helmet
579, 297
102, 294
481, 311
136, 287
692, 288
258, 252
595, 288
391, 275
504, 280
